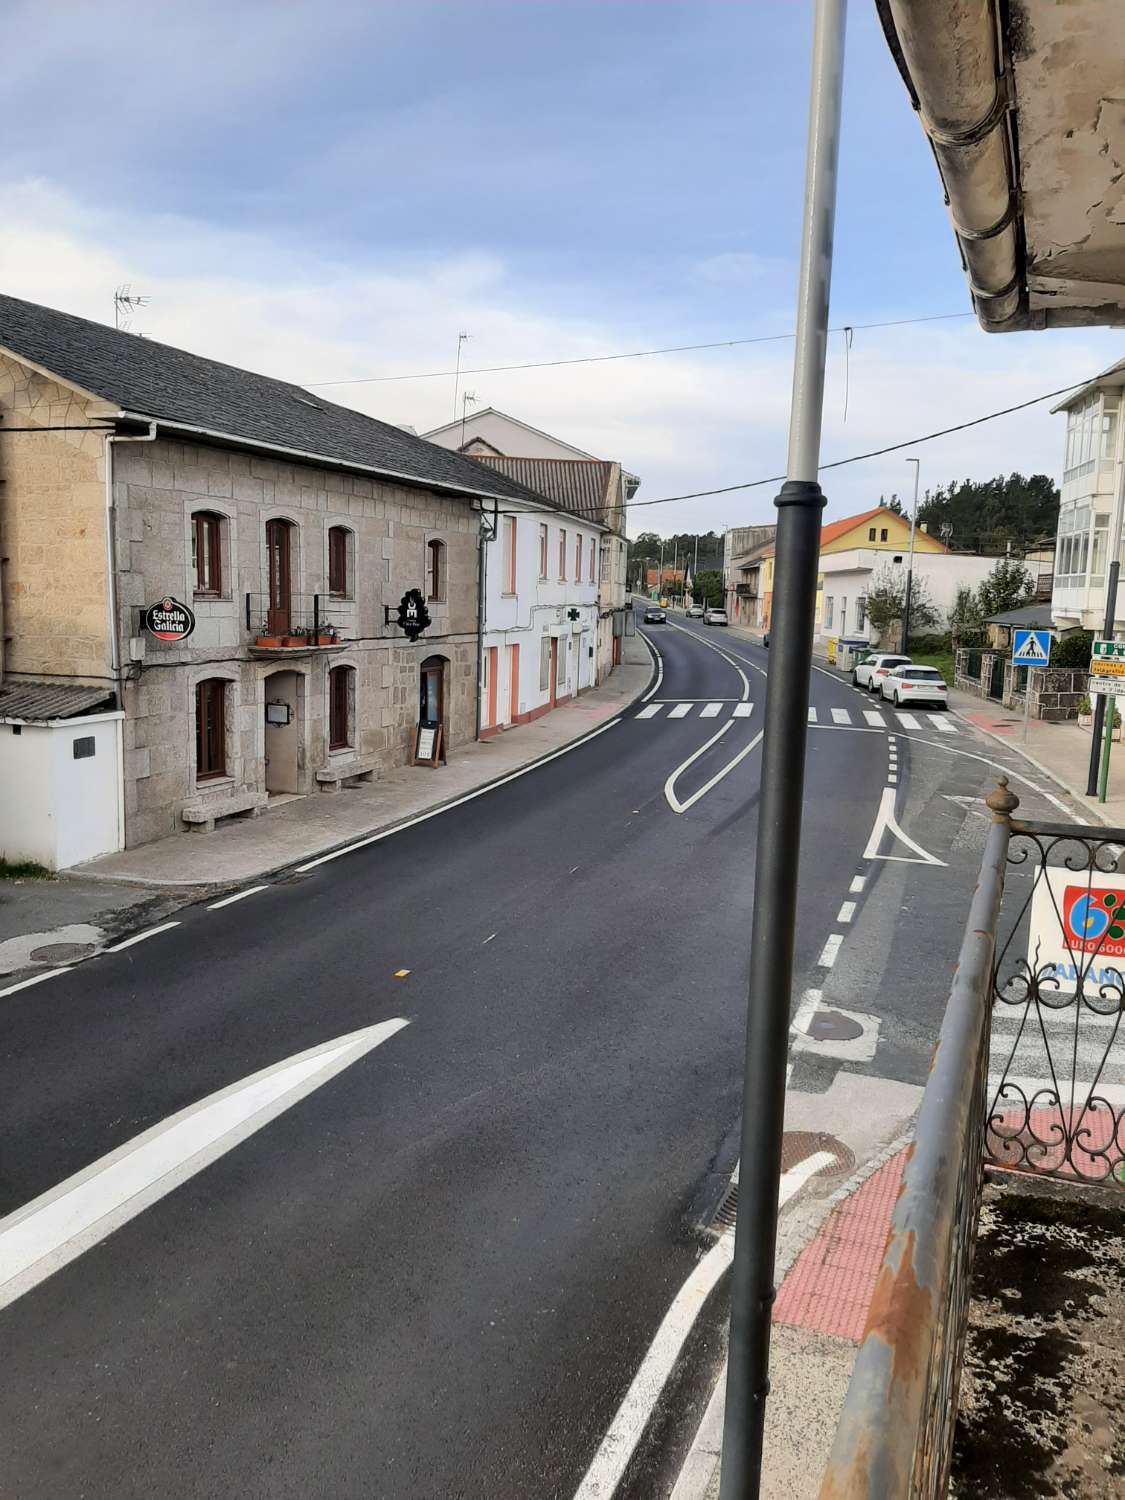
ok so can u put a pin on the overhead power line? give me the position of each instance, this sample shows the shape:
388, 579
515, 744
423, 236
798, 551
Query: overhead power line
595, 359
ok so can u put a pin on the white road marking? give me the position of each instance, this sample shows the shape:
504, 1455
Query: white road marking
743, 710
680, 711
651, 711
841, 716
908, 721
846, 912
140, 937
489, 938
856, 885
727, 658
812, 715
726, 770
942, 723
892, 781
435, 812
53, 1229
618, 1445
885, 823
873, 716
830, 951
710, 711
238, 896
659, 660
669, 786
26, 984
810, 1004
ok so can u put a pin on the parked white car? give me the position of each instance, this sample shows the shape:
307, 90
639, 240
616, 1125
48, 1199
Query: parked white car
714, 617
875, 666
695, 612
911, 684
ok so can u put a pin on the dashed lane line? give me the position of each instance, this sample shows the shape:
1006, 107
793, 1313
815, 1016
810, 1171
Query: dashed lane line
141, 937
238, 896
25, 984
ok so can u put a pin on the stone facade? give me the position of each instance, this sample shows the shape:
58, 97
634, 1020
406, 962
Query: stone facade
1056, 692
53, 534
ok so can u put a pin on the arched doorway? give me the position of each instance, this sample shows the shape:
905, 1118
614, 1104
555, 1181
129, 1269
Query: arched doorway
283, 695
431, 690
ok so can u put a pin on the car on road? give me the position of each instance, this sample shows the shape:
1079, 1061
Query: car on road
695, 612
715, 617
655, 616
910, 684
869, 671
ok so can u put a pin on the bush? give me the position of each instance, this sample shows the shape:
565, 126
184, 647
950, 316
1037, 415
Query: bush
1073, 650
930, 645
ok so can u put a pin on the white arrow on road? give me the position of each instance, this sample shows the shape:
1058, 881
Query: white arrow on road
53, 1229
885, 822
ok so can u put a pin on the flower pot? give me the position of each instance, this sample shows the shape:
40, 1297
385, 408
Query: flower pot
1085, 721
269, 641
326, 638
292, 640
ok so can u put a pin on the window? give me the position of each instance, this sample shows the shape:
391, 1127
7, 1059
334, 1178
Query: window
435, 569
339, 583
1085, 431
544, 663
578, 558
509, 555
883, 534
340, 707
593, 558
871, 533
542, 551
860, 611
1072, 554
207, 552
210, 729
562, 554
560, 664
828, 613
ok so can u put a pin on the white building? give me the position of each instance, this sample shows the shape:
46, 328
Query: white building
592, 489
1092, 474
848, 578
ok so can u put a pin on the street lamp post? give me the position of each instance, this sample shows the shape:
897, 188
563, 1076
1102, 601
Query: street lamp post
917, 462
800, 506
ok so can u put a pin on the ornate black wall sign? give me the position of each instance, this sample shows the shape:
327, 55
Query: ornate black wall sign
413, 616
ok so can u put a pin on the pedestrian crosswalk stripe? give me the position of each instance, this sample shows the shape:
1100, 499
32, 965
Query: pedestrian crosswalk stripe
908, 721
743, 710
841, 716
943, 724
650, 712
680, 711
710, 710
812, 715
873, 716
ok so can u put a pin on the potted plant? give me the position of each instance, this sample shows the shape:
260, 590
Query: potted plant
1085, 713
266, 637
326, 636
294, 637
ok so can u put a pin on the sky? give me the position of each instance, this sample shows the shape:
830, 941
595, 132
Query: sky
336, 191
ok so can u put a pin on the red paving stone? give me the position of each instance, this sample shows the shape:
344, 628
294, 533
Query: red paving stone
830, 1287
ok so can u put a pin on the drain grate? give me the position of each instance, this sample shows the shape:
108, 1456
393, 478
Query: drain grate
795, 1147
727, 1212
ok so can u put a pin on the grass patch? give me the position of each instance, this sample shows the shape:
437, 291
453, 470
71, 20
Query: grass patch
942, 660
23, 869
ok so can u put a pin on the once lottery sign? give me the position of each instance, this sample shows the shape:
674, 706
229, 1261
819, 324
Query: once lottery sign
169, 620
1078, 927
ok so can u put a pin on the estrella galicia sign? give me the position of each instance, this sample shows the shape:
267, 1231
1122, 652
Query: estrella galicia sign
169, 620
413, 616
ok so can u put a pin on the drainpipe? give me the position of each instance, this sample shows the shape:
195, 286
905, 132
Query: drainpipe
482, 577
111, 604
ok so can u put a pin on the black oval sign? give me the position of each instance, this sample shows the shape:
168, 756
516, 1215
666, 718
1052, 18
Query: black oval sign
169, 620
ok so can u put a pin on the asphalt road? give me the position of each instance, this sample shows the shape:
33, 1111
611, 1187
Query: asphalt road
436, 1274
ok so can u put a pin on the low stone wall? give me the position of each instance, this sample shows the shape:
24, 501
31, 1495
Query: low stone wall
1056, 692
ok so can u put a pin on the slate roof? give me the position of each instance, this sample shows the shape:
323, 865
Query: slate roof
580, 486
160, 382
1027, 617
25, 698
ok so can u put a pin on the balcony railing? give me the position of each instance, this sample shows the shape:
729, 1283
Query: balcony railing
307, 622
746, 590
1028, 1076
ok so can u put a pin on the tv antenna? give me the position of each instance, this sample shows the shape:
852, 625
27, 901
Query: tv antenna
465, 399
125, 304
461, 337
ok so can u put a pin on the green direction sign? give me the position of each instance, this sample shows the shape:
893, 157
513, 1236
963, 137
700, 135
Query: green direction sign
1110, 649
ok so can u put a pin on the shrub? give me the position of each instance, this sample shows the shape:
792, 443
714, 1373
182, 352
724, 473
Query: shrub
1073, 650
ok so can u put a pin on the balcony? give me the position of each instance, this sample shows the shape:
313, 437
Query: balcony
307, 623
746, 590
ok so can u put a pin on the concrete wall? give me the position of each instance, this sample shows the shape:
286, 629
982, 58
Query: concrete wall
56, 809
52, 532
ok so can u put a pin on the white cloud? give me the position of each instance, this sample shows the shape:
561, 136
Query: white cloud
683, 422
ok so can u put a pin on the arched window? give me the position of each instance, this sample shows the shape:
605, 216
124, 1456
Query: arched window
339, 564
435, 571
341, 696
207, 553
210, 729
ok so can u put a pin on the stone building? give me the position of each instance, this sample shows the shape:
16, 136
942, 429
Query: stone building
134, 472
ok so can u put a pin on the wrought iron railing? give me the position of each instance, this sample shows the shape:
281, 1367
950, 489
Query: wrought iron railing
1028, 1075
304, 617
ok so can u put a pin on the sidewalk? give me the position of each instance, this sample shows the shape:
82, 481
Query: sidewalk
1060, 751
85, 905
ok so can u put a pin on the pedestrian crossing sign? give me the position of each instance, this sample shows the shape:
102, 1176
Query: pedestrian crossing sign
1031, 648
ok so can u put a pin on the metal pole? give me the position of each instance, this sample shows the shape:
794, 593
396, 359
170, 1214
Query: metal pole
461, 337
1113, 559
1103, 775
1026, 701
917, 462
800, 505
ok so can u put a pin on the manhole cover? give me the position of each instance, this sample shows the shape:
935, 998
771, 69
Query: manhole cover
61, 953
796, 1147
831, 1026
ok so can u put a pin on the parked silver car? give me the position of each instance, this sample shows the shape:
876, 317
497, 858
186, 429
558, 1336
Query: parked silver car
715, 617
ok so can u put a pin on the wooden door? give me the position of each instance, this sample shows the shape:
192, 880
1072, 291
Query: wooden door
431, 699
280, 571
491, 657
554, 668
514, 683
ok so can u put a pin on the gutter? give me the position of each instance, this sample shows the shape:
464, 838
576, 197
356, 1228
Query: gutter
952, 58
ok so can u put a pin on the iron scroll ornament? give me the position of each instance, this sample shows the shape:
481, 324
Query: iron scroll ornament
412, 617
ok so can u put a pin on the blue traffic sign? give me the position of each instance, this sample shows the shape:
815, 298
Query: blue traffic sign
1031, 648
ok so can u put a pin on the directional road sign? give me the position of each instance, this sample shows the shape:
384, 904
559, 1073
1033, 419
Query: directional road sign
1111, 650
1031, 648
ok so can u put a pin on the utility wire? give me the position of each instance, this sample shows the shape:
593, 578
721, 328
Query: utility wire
594, 359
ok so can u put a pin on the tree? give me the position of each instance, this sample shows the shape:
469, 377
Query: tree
985, 515
966, 619
886, 601
707, 588
894, 504
1008, 586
